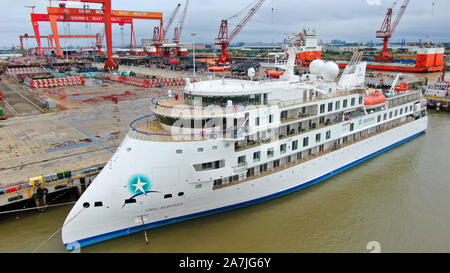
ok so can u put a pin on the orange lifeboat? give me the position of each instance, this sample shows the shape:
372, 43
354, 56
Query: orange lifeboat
274, 74
218, 68
374, 99
402, 87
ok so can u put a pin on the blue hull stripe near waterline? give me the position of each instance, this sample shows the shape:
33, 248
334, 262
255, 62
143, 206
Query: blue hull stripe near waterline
118, 233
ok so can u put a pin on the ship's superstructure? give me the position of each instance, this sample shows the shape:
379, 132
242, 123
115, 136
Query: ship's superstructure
226, 143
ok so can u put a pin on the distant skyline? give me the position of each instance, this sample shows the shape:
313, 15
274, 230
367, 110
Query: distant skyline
349, 20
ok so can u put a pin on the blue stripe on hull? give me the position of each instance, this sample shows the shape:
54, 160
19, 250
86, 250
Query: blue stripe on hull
122, 232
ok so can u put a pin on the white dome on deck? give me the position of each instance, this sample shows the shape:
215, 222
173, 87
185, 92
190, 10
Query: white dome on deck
315, 66
330, 71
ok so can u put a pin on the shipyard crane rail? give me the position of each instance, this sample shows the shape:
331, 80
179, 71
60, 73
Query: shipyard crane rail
223, 39
387, 29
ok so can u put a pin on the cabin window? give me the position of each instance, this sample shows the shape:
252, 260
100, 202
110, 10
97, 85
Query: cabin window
353, 102
179, 151
207, 165
130, 201
330, 107
379, 118
199, 150
385, 116
410, 108
256, 156
283, 148
318, 137
167, 196
299, 155
352, 126
401, 111
338, 105
250, 172
294, 145
322, 108
276, 163
360, 100
233, 178
390, 114
396, 113
305, 141
86, 205
328, 134
270, 152
288, 159
270, 118
180, 193
257, 121
98, 204
344, 103
198, 186
227, 145
241, 160
263, 167
217, 182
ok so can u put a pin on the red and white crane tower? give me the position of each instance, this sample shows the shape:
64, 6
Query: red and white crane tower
159, 33
179, 50
223, 39
387, 29
179, 29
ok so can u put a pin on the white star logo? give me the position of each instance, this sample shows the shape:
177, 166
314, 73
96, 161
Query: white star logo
139, 185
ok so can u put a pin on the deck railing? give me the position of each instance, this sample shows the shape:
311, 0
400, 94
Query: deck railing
147, 128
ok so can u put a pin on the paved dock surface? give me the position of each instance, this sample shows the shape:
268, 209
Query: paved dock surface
73, 139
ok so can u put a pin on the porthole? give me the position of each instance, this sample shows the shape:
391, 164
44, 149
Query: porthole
180, 193
86, 205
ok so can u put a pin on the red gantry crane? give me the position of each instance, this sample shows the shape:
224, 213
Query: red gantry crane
105, 12
36, 18
26, 36
159, 34
223, 39
387, 30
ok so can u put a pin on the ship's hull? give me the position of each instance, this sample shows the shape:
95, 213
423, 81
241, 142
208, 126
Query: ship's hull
118, 219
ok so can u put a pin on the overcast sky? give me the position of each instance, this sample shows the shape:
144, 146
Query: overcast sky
350, 20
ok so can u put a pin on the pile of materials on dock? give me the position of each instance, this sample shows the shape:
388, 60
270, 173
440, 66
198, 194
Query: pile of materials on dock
54, 82
143, 82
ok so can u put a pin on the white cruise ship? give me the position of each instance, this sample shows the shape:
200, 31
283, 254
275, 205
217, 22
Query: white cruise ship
225, 143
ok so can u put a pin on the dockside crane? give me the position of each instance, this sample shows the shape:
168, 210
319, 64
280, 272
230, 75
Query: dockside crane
223, 39
179, 29
387, 30
159, 36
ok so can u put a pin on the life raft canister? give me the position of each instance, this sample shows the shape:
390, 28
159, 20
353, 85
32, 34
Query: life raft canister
374, 99
402, 87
